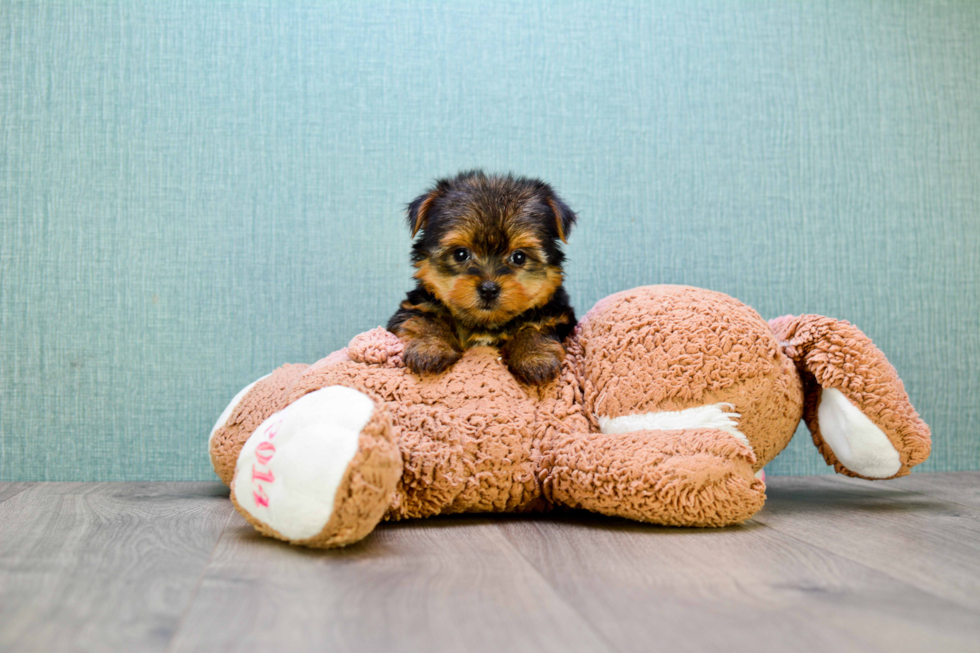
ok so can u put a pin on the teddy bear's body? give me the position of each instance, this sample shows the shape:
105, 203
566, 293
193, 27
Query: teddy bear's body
669, 400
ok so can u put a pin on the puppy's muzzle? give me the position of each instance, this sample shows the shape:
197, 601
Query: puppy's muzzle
488, 291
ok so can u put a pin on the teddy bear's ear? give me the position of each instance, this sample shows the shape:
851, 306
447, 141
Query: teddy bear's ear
420, 208
564, 216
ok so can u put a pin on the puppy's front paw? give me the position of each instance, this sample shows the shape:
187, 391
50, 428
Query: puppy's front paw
533, 357
429, 356
535, 369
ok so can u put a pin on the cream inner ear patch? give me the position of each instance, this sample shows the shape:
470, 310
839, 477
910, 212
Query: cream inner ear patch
289, 470
858, 444
709, 416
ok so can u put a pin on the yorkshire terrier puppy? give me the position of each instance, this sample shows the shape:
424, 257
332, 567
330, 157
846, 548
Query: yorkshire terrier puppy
488, 265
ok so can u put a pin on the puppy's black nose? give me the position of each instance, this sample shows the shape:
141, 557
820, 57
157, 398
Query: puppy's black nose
488, 290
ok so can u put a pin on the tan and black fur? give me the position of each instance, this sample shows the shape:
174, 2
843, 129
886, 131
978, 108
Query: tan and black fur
489, 269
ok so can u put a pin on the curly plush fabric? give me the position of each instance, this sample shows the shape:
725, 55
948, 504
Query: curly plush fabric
267, 396
695, 392
695, 477
836, 354
360, 499
667, 348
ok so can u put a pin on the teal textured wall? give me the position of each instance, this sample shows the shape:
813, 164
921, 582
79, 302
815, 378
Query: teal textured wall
192, 193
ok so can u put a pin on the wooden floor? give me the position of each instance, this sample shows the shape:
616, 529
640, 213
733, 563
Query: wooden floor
830, 564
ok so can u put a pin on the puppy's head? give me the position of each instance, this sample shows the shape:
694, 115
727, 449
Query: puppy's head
489, 244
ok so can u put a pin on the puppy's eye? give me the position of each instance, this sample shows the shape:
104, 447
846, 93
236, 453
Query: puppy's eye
461, 254
518, 258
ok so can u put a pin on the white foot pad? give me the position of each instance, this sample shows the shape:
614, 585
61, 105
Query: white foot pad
289, 470
858, 444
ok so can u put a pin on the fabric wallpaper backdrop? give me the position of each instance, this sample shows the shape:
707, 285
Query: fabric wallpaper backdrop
195, 192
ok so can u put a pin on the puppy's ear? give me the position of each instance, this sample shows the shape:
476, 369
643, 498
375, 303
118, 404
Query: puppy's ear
418, 210
564, 216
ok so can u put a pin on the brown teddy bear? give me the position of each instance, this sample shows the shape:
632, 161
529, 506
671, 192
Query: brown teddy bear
670, 400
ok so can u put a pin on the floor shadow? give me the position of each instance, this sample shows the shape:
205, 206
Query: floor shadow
151, 491
781, 500
837, 499
377, 544
563, 518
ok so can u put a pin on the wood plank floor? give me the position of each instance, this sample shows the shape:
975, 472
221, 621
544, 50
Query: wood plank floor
830, 564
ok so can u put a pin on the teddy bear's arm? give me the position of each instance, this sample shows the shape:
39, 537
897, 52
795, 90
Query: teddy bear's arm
681, 477
855, 405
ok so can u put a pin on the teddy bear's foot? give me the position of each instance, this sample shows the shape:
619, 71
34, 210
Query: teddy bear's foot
321, 472
242, 416
854, 403
682, 477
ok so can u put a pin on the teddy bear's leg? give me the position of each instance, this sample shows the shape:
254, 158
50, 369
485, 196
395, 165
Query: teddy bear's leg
320, 472
854, 403
247, 410
683, 477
